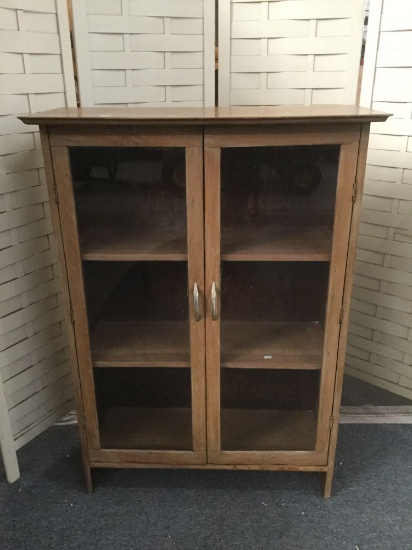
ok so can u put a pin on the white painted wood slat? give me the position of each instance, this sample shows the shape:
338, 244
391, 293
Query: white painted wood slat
150, 42
302, 51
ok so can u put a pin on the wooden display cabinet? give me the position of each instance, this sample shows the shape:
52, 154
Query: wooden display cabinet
207, 259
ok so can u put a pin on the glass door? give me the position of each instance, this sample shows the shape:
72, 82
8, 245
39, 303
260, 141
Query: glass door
141, 276
275, 244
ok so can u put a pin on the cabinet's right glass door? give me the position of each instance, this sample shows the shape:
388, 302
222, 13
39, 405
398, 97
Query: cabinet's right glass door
270, 295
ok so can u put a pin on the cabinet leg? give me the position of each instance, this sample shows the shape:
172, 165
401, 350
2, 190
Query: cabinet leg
88, 479
326, 479
85, 459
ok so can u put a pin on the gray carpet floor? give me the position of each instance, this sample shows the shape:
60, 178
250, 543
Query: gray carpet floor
357, 393
371, 506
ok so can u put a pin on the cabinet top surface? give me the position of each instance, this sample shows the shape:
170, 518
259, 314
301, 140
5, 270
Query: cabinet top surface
206, 115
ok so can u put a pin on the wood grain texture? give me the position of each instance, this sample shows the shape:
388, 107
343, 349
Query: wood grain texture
125, 136
212, 272
140, 344
271, 345
244, 345
132, 457
67, 214
276, 244
196, 275
287, 458
209, 115
233, 467
341, 230
278, 135
348, 281
132, 244
55, 214
262, 430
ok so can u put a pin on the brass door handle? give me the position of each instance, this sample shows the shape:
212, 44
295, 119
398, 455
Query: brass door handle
196, 303
214, 302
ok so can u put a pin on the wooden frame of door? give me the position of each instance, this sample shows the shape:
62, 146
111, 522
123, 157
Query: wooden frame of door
60, 185
347, 136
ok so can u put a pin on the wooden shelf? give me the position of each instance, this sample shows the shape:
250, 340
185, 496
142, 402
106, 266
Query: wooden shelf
147, 428
265, 345
130, 243
276, 244
267, 430
242, 429
244, 344
103, 243
141, 344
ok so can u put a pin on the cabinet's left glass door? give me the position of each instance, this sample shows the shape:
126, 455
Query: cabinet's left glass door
142, 298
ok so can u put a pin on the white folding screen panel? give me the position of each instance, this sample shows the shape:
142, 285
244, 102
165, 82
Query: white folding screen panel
380, 339
36, 73
7, 447
145, 53
300, 52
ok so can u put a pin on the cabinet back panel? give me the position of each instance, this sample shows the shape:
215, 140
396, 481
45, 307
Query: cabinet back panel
269, 389
142, 387
137, 290
274, 291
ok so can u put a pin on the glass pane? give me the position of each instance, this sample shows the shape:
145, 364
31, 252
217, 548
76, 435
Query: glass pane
138, 313
130, 201
144, 408
278, 202
277, 212
131, 215
266, 410
273, 314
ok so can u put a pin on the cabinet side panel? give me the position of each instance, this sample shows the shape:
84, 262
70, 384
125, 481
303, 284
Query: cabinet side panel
360, 175
341, 232
61, 166
54, 210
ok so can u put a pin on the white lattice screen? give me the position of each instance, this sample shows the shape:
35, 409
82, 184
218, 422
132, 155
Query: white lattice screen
380, 340
36, 74
299, 52
134, 52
